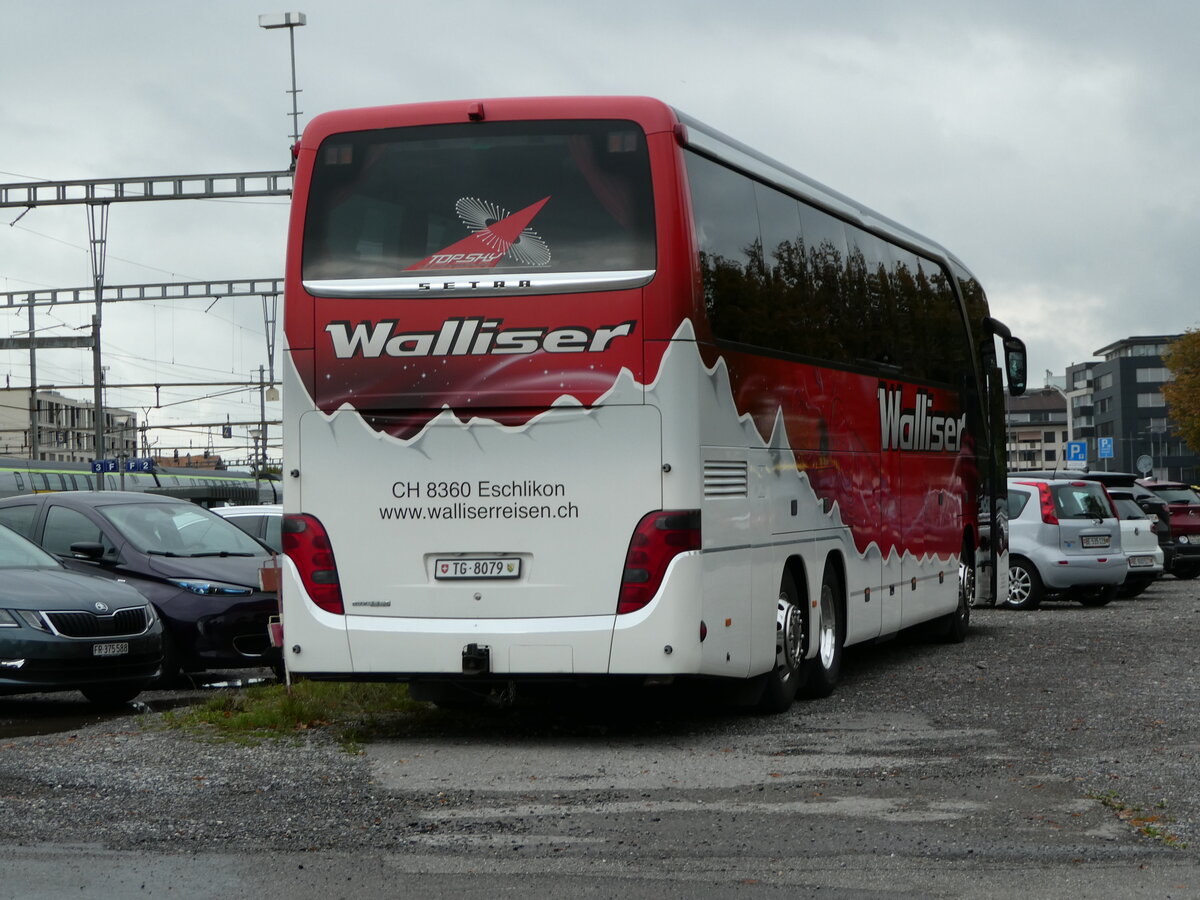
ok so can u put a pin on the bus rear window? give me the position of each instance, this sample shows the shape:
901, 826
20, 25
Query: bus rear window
480, 199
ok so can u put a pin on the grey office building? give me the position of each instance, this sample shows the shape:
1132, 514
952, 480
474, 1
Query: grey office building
1116, 404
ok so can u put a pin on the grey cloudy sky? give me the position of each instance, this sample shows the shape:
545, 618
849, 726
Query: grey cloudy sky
1052, 145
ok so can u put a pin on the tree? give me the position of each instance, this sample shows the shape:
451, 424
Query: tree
1182, 357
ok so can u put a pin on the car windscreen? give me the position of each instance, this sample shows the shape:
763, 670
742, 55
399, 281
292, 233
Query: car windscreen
1081, 500
480, 199
17, 552
180, 529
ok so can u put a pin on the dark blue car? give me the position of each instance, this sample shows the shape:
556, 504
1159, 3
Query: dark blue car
200, 572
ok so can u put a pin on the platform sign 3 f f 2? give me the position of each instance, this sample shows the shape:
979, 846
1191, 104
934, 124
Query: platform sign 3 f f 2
1076, 451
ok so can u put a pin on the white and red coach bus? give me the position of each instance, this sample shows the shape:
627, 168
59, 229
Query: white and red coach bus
581, 387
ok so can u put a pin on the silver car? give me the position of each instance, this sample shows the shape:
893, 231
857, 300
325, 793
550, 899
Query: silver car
1142, 552
261, 522
1064, 540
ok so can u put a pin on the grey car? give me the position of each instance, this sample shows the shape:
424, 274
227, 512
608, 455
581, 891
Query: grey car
1064, 541
63, 631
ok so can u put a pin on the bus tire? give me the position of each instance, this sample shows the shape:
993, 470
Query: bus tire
823, 670
952, 628
783, 682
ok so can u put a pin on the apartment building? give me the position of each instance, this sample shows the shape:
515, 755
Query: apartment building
66, 428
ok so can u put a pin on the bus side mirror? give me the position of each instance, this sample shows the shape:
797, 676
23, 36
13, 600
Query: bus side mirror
1016, 365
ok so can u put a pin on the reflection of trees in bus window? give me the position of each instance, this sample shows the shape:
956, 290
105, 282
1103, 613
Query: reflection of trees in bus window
830, 307
785, 320
731, 258
784, 275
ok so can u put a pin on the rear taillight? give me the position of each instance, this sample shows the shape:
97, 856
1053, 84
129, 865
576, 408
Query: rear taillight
306, 544
658, 539
1049, 516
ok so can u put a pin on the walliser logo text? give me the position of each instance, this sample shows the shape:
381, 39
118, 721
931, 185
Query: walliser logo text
468, 337
917, 427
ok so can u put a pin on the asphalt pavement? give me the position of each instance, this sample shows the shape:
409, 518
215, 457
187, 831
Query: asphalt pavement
1054, 753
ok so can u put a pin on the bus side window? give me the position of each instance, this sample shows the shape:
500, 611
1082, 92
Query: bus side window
731, 258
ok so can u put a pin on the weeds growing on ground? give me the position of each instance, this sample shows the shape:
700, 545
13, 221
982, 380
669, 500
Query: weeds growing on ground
350, 712
1151, 825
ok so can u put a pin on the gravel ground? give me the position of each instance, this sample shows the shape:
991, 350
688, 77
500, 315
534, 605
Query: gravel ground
1101, 700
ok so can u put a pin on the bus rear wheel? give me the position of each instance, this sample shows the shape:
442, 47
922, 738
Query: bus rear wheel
823, 670
784, 681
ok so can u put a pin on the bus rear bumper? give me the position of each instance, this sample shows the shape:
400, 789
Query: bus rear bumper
662, 639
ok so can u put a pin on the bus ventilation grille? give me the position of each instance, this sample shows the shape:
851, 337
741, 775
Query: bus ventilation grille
726, 478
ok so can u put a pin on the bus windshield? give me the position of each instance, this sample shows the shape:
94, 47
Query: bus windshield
479, 199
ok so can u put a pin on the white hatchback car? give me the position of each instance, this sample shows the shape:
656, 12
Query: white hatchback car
261, 522
1064, 539
1140, 543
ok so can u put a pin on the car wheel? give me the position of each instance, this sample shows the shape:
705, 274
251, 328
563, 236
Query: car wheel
111, 696
783, 682
1186, 571
821, 673
1025, 589
1098, 596
171, 673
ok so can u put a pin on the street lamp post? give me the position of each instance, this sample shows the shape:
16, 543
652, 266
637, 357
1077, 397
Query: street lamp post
291, 21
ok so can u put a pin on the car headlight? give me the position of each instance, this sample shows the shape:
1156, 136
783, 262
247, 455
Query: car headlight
14, 618
211, 588
1184, 539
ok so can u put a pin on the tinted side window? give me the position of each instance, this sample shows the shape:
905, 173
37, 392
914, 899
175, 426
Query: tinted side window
1016, 503
252, 525
274, 532
19, 518
65, 527
783, 275
731, 256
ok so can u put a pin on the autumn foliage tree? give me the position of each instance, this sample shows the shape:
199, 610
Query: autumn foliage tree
1182, 357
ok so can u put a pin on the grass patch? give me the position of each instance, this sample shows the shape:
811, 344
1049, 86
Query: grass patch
1155, 826
351, 712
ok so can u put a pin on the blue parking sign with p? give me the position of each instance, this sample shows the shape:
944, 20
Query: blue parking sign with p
1104, 448
1076, 451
